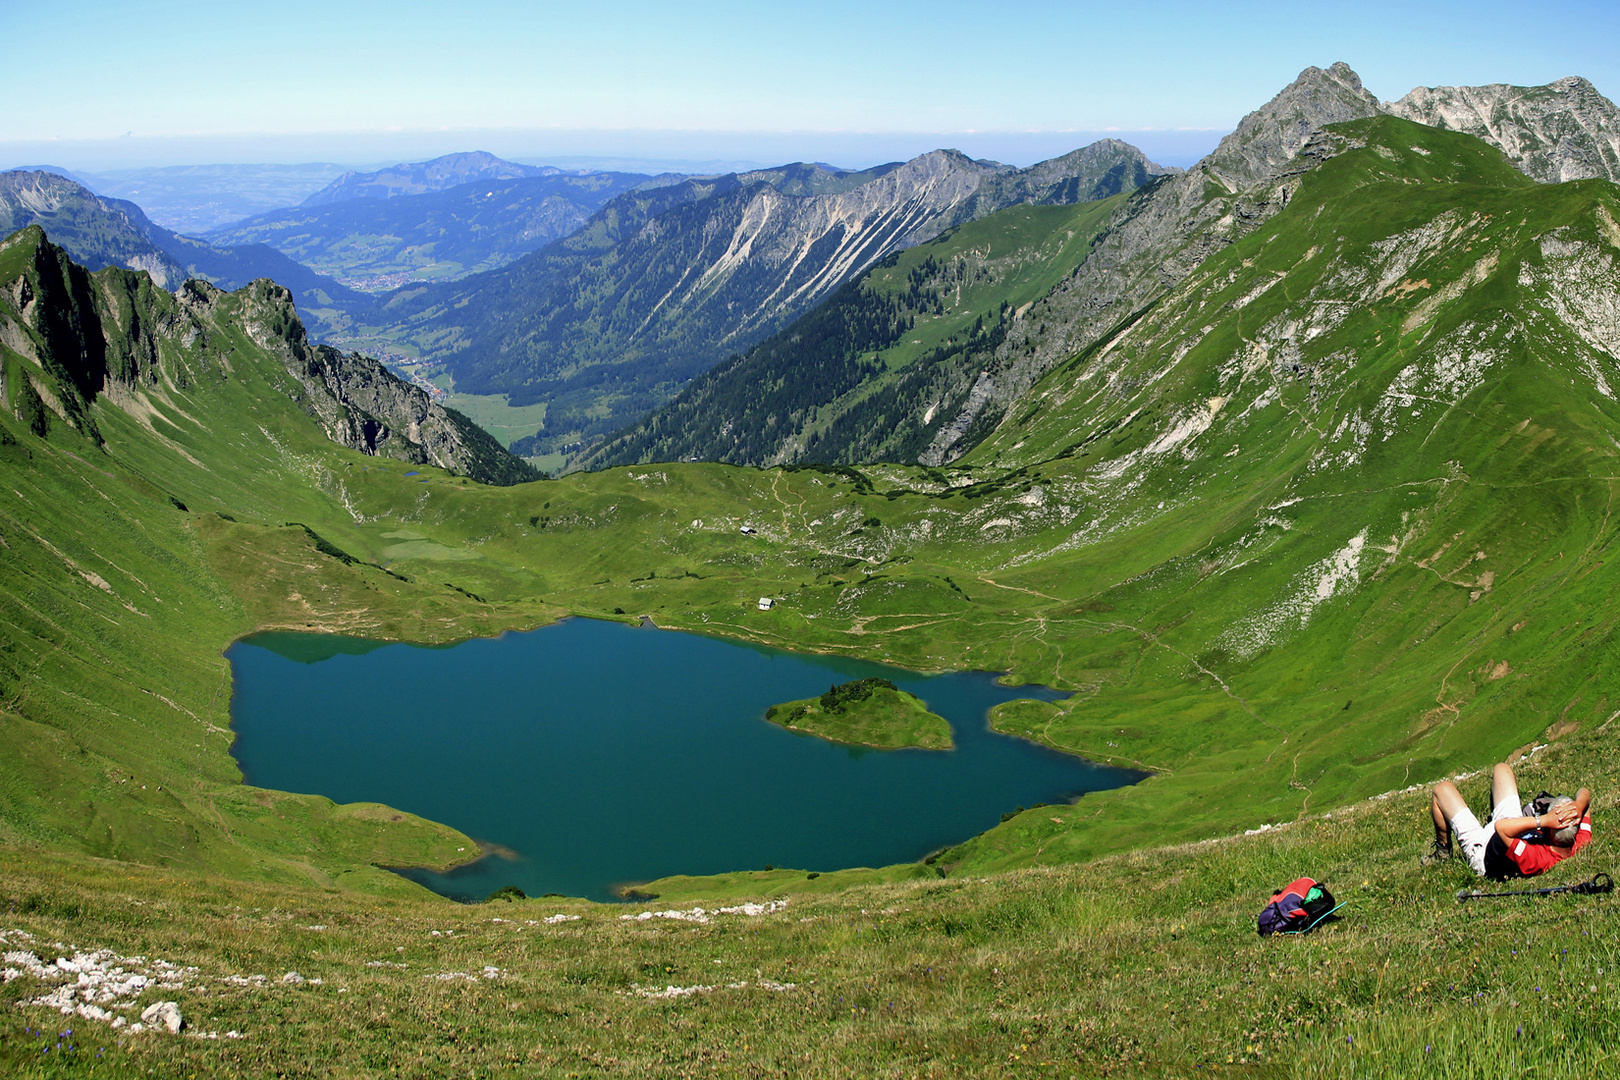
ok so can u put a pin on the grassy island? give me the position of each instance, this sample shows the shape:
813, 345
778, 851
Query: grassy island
866, 712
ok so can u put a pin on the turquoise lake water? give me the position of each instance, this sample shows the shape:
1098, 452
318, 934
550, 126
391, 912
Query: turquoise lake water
596, 754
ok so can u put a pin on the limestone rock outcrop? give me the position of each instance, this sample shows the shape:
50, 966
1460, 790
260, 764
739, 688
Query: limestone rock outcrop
1565, 130
1155, 241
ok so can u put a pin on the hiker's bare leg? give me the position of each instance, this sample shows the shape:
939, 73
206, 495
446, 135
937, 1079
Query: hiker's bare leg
1503, 785
1443, 806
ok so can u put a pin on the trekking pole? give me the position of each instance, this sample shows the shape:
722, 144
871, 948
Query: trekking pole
1600, 883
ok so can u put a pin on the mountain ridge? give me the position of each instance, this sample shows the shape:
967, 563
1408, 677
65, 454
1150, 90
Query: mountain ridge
1159, 236
421, 177
660, 285
101, 231
115, 335
1565, 130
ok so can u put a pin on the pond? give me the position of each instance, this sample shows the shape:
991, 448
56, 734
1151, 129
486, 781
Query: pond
594, 754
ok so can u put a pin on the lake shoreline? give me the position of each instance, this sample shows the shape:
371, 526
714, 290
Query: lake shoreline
352, 736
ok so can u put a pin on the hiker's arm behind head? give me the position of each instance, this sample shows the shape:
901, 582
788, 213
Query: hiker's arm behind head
1583, 800
1511, 828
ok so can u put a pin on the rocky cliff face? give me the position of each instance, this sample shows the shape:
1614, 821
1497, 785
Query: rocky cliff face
1266, 141
359, 403
1565, 130
113, 339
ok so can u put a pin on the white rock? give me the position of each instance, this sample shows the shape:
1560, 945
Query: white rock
166, 1013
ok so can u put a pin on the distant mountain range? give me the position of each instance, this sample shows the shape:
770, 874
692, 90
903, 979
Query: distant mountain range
421, 177
662, 283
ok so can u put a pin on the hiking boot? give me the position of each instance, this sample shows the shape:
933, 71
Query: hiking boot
1438, 854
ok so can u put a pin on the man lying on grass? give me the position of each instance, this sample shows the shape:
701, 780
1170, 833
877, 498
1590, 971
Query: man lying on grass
1512, 844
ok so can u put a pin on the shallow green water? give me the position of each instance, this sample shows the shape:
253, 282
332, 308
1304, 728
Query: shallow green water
599, 754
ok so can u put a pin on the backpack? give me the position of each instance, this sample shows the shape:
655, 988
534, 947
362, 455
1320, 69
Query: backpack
1540, 806
1296, 908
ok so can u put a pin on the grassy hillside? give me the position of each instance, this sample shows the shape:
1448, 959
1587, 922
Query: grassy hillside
1292, 627
1134, 965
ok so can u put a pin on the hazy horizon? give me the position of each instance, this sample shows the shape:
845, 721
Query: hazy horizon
721, 84
643, 151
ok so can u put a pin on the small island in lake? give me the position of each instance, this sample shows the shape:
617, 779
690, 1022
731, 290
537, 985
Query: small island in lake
866, 712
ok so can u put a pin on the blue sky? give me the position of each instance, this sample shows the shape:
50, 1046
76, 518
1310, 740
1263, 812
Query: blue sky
97, 84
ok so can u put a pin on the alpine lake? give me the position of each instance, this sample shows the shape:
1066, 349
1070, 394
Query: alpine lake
588, 755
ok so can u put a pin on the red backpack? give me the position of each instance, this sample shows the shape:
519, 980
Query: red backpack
1297, 908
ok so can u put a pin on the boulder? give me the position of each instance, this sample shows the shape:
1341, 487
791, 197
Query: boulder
166, 1013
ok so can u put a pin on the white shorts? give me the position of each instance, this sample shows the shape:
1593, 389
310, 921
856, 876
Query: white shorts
1472, 836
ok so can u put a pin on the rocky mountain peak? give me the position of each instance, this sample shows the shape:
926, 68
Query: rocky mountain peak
1268, 138
1565, 130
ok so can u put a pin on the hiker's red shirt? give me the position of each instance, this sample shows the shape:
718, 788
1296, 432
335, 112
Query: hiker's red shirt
1534, 858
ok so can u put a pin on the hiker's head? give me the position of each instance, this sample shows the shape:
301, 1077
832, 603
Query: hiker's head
1565, 836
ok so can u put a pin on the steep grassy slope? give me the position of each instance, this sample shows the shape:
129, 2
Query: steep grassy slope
1141, 965
817, 390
